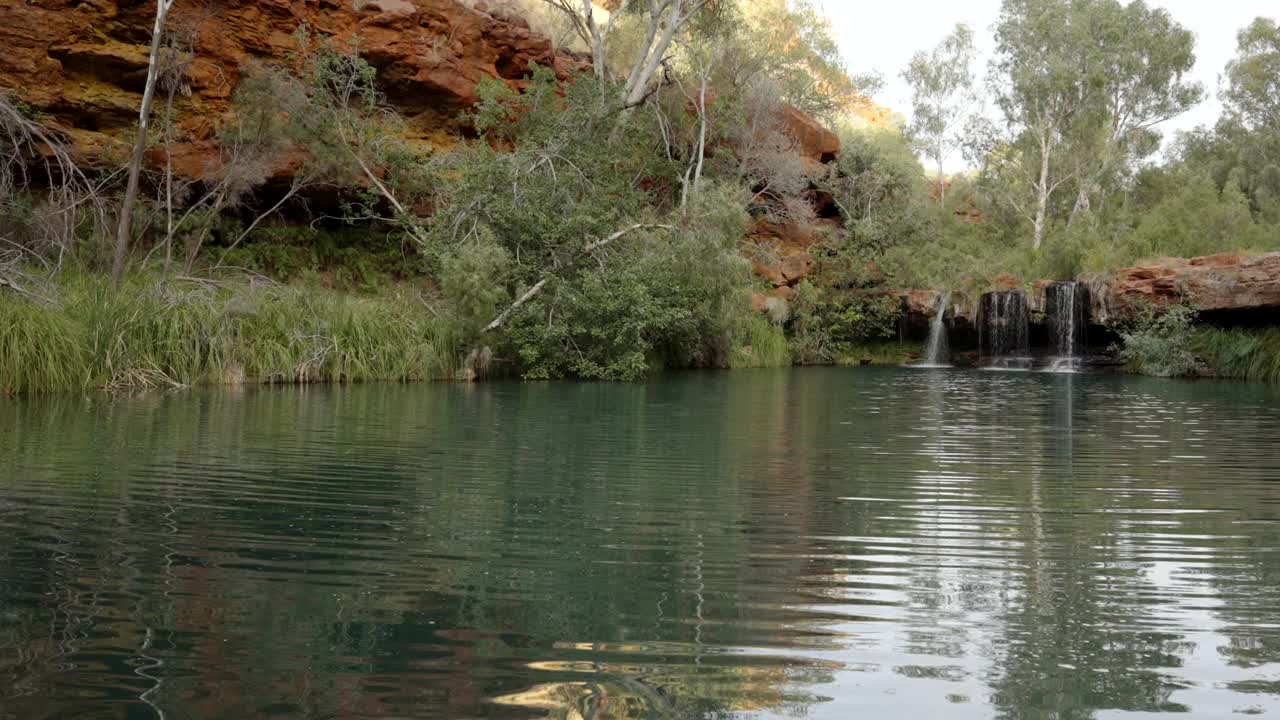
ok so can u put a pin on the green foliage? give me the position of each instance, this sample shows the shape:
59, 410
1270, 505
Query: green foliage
943, 94
796, 47
879, 186
1157, 340
346, 258
759, 342
661, 299
151, 334
473, 276
881, 352
1080, 84
562, 208
1193, 219
1241, 354
827, 325
41, 348
1253, 77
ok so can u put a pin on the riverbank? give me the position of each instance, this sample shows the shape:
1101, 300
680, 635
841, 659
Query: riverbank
157, 333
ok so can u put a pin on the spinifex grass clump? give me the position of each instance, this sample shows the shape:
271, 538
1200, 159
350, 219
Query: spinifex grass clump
301, 337
1239, 353
172, 334
151, 335
42, 348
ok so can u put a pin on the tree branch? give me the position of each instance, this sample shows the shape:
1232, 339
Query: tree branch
588, 250
533, 292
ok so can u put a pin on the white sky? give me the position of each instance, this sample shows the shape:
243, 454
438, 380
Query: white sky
882, 36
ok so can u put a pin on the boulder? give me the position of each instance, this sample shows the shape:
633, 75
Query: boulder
797, 267
816, 143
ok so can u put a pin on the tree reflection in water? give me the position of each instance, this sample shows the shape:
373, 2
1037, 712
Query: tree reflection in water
827, 543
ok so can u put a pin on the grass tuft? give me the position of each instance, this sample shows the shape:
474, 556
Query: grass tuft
1240, 354
42, 349
760, 343
152, 334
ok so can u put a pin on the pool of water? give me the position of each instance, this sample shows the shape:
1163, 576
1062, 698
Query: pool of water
825, 543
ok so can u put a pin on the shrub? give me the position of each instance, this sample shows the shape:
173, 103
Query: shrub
826, 324
1156, 340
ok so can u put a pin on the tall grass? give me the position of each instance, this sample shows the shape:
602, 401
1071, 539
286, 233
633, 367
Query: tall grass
42, 349
758, 343
1241, 354
156, 334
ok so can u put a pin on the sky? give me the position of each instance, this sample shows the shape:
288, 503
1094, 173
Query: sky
882, 36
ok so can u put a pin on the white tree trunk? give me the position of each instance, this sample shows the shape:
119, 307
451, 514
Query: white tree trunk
942, 183
638, 84
139, 146
1042, 192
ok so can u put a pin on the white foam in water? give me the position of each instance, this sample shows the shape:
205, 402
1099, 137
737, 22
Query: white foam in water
1010, 364
1064, 365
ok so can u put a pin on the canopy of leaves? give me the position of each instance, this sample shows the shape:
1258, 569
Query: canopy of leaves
548, 207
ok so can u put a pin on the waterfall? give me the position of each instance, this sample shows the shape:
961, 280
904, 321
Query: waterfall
1005, 336
939, 354
1065, 305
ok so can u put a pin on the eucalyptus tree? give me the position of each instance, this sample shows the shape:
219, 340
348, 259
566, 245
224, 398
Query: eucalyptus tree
661, 20
1035, 80
1253, 77
943, 96
1249, 132
1134, 60
124, 227
798, 49
1081, 84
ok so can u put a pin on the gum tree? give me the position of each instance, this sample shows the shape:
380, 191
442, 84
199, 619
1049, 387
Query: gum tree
943, 96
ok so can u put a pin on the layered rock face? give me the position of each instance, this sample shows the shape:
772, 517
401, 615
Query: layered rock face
84, 62
1216, 283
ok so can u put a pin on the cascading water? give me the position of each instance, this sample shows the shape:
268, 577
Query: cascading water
1065, 309
938, 352
1004, 332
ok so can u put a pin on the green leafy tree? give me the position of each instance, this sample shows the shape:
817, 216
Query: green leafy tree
578, 229
1248, 136
1081, 84
943, 95
878, 184
1134, 61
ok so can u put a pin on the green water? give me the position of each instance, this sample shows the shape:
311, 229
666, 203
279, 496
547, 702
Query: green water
829, 543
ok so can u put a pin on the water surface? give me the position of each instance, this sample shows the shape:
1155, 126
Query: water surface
827, 543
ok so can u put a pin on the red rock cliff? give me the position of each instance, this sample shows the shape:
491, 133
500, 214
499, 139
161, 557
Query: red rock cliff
84, 62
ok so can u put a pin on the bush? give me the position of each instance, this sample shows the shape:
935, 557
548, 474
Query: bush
1195, 219
1156, 340
827, 325
662, 299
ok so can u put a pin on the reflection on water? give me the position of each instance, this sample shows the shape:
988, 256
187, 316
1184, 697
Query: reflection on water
826, 543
